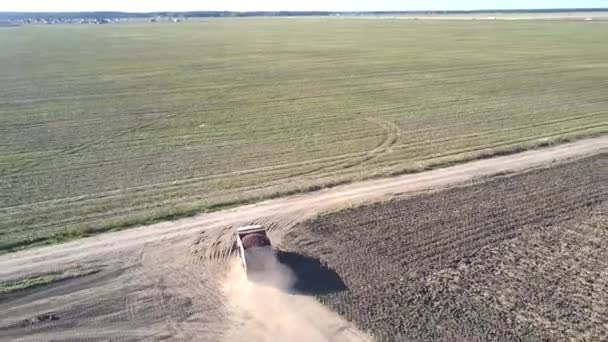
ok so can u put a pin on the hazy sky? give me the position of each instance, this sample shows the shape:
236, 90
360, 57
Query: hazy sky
294, 5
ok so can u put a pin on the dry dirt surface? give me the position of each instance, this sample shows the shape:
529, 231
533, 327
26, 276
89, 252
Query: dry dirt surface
520, 257
502, 251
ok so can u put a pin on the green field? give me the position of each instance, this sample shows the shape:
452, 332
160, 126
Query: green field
104, 127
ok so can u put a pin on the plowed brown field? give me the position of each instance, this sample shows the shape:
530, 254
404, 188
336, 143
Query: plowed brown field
515, 258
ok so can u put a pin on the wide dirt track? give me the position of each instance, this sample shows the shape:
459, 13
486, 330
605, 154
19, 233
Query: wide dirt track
519, 255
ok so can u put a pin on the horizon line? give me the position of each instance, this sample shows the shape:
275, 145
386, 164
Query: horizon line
566, 9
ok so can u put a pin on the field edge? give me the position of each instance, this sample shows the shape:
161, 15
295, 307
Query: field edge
185, 212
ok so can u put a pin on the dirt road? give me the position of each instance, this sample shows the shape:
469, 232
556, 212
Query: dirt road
169, 280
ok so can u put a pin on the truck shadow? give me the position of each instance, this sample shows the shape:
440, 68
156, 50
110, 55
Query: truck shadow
312, 277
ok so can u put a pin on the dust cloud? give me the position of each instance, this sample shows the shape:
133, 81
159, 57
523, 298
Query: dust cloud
266, 309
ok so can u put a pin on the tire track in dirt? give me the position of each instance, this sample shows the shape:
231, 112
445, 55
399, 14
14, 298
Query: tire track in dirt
270, 313
179, 273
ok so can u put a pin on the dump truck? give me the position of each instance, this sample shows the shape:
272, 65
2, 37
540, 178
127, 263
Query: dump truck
255, 248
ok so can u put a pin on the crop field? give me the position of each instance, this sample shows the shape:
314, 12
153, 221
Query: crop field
515, 258
105, 127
